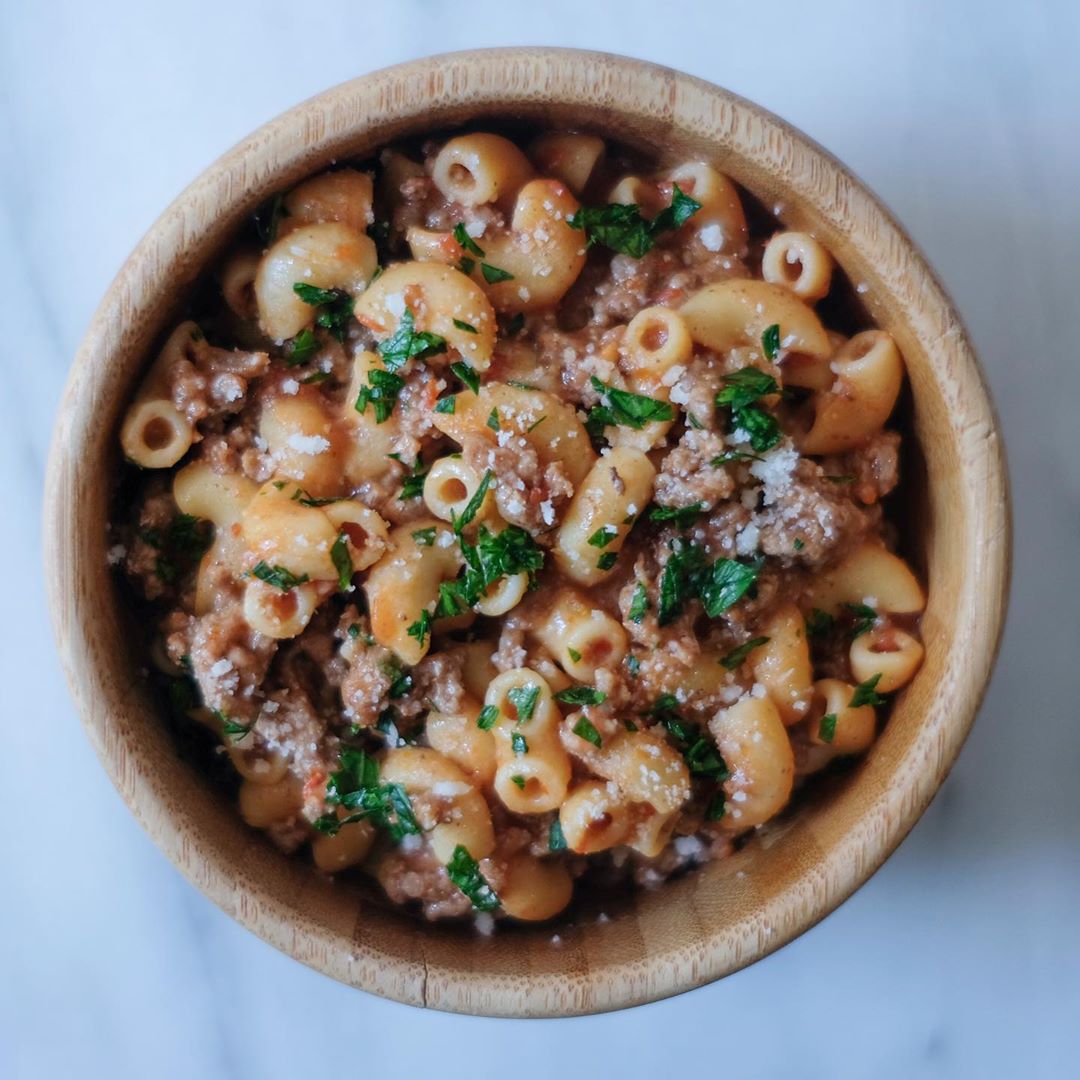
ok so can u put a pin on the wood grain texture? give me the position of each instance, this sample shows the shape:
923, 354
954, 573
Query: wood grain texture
712, 921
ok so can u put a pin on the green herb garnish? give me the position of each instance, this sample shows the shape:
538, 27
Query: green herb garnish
335, 307
581, 695
277, 576
583, 729
407, 343
464, 871
342, 560
866, 693
738, 655
621, 227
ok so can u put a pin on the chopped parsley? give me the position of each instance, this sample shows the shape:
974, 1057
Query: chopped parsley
866, 693
639, 603
354, 631
518, 744
472, 507
734, 455
301, 348
277, 576
556, 839
421, 629
464, 871
462, 236
581, 695
583, 729
603, 536
425, 537
865, 617
268, 217
342, 560
739, 654
573, 654
335, 307
412, 486
315, 377
183, 544
625, 409
682, 516
700, 754
607, 560
633, 665
467, 327
518, 780
466, 265
356, 788
466, 374
621, 227
488, 715
407, 343
770, 341
524, 699
493, 420
493, 556
382, 392
724, 584
493, 274
827, 728
741, 389
716, 809
231, 728
819, 624
446, 405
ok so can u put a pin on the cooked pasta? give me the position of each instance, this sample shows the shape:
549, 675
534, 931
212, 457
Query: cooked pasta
512, 516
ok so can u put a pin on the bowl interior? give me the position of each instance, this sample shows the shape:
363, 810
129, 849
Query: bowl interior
952, 512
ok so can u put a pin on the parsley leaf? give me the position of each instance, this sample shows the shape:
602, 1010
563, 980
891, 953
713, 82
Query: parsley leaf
464, 871
677, 580
734, 455
583, 729
446, 405
524, 699
493, 274
866, 693
639, 603
819, 624
462, 236
682, 516
472, 507
277, 576
268, 217
518, 781
738, 655
466, 374
865, 617
382, 391
745, 386
717, 808
770, 341
466, 265
407, 343
493, 420
413, 485
627, 409
421, 629
573, 654
607, 560
335, 307
518, 744
467, 327
762, 428
726, 582
231, 728
621, 227
603, 536
699, 752
301, 348
184, 543
556, 839
827, 728
425, 537
488, 715
356, 788
581, 695
342, 560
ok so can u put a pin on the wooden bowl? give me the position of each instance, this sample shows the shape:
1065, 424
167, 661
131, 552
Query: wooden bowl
714, 920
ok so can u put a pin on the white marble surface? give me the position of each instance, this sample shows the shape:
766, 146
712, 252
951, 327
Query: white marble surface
962, 956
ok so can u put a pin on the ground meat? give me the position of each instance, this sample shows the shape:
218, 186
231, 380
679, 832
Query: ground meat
874, 468
210, 382
511, 653
229, 662
436, 683
697, 386
410, 872
365, 690
812, 521
288, 722
527, 492
686, 477
141, 562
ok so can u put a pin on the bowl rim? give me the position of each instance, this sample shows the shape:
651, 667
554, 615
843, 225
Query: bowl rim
329, 117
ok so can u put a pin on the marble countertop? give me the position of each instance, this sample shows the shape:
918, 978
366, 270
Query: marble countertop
962, 956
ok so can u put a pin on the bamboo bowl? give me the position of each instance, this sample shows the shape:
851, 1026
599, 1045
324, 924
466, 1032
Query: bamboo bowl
715, 920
